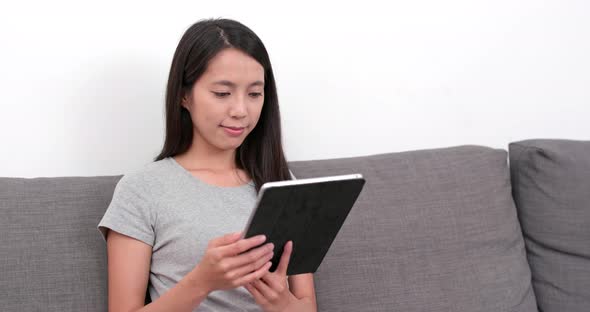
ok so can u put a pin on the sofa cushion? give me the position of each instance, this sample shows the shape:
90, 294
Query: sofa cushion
51, 258
433, 230
551, 181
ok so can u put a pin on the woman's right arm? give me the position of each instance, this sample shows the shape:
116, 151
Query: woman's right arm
128, 270
224, 266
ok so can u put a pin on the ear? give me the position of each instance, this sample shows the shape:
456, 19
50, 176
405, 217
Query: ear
184, 102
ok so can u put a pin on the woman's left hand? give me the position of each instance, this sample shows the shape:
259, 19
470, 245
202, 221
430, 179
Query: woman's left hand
271, 291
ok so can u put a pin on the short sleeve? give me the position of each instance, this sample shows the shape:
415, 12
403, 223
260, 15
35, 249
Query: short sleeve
130, 211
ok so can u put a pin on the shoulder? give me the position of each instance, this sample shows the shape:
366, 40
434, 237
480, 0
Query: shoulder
146, 177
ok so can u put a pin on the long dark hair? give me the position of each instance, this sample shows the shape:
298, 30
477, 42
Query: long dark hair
261, 154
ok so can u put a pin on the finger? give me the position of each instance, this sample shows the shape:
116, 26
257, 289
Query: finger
256, 294
266, 291
225, 239
254, 275
241, 245
285, 257
245, 269
250, 257
275, 281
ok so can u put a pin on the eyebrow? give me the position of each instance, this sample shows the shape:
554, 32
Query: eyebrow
231, 84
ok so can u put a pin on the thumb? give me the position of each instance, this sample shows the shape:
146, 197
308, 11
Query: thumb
225, 239
285, 257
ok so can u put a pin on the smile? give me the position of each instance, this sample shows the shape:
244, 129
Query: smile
233, 131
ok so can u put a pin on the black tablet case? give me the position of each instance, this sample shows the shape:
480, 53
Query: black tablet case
308, 214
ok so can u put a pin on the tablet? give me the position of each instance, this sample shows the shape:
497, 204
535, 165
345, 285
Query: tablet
310, 212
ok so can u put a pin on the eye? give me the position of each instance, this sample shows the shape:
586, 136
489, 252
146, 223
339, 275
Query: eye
220, 94
255, 94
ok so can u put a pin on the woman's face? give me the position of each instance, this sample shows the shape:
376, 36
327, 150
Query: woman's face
226, 101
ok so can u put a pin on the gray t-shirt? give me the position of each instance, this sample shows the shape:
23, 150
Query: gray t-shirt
166, 207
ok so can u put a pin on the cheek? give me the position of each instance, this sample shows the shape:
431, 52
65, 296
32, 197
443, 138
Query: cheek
256, 111
208, 111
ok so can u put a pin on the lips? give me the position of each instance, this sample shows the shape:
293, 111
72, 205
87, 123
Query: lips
233, 131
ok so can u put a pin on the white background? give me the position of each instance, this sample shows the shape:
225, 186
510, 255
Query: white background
82, 83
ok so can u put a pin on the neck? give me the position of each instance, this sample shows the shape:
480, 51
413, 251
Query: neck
204, 156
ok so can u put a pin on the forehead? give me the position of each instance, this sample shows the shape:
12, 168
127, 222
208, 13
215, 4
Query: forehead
233, 65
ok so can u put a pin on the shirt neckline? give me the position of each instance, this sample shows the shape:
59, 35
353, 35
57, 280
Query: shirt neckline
203, 183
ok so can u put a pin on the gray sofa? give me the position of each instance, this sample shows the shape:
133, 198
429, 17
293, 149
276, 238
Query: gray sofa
465, 228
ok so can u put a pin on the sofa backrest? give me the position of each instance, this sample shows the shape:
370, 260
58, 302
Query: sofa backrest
51, 256
551, 180
433, 230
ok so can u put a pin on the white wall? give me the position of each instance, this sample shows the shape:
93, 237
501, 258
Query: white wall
82, 83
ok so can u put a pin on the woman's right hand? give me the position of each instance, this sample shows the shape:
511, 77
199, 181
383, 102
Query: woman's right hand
226, 266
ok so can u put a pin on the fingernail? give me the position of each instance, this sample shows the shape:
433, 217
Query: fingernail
261, 238
271, 246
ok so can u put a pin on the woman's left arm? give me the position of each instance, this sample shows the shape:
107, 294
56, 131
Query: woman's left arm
273, 293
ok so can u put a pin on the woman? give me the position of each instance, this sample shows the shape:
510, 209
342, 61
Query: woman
168, 222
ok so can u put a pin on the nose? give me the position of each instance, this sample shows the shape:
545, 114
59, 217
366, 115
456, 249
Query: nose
238, 108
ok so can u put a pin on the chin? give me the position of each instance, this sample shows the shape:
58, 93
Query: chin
230, 146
